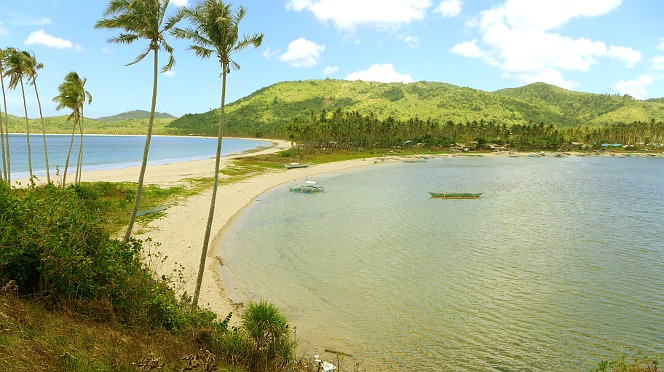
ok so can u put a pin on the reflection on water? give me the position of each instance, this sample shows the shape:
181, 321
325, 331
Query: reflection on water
559, 265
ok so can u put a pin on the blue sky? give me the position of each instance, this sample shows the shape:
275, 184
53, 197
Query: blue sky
597, 46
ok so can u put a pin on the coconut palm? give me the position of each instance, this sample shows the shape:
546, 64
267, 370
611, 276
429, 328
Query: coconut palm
5, 148
31, 72
18, 64
142, 19
72, 96
215, 31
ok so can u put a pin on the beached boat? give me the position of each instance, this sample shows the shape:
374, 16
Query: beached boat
307, 187
456, 195
295, 165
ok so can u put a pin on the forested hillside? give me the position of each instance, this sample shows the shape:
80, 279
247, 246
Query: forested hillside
266, 112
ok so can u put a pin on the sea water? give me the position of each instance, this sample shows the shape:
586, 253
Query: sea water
112, 152
559, 265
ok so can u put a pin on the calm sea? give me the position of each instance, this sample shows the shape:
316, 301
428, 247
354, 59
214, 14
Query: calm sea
559, 265
111, 152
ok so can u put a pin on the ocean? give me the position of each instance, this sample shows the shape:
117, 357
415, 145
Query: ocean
559, 265
112, 152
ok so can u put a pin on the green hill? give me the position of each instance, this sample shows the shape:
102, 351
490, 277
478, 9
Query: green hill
135, 114
60, 124
266, 111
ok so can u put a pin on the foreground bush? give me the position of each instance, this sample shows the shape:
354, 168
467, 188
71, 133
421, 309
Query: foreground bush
54, 249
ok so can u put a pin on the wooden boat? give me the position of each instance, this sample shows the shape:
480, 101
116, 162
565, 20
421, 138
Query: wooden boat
307, 187
295, 165
456, 195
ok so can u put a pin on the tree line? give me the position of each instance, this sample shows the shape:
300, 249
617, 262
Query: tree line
353, 130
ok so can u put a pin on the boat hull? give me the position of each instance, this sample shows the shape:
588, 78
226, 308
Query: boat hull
456, 195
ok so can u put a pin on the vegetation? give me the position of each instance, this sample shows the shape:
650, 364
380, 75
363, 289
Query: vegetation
73, 96
266, 112
135, 114
339, 130
638, 364
215, 32
57, 253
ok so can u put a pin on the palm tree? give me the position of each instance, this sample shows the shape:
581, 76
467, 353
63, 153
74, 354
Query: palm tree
72, 96
5, 149
31, 72
18, 65
142, 19
215, 31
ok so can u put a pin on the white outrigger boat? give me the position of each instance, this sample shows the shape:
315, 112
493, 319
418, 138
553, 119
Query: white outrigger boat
307, 187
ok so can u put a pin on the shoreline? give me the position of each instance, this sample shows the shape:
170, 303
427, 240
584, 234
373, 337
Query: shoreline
178, 234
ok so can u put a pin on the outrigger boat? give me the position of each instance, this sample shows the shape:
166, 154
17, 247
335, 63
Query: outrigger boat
295, 165
307, 187
456, 195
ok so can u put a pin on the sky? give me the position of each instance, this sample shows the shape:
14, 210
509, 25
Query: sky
595, 46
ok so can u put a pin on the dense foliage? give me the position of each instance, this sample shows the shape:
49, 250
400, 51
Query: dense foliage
352, 130
267, 111
54, 247
135, 114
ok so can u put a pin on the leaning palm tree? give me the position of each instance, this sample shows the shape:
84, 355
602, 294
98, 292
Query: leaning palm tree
31, 72
215, 31
142, 19
18, 64
72, 96
5, 144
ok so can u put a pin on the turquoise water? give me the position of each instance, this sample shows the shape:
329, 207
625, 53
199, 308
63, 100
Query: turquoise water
559, 265
112, 152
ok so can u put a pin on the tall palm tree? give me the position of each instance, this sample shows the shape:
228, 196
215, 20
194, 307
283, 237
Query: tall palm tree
72, 96
18, 64
215, 31
31, 72
5, 155
142, 19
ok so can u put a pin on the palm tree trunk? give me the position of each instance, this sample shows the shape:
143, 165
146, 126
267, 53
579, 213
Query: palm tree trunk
6, 154
27, 131
71, 144
146, 149
41, 117
79, 166
208, 228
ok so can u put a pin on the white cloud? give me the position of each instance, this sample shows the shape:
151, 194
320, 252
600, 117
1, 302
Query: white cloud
518, 37
627, 55
411, 40
449, 8
384, 73
660, 45
467, 49
41, 37
636, 88
348, 15
546, 15
329, 70
658, 63
180, 2
302, 53
169, 73
269, 53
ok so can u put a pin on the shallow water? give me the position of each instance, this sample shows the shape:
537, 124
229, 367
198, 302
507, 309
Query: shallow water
559, 265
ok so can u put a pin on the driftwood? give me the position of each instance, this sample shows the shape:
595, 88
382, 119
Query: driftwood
337, 352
